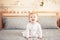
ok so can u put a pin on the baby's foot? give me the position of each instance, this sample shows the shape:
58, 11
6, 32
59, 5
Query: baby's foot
26, 38
39, 38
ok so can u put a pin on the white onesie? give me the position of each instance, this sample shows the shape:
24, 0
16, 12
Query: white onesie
33, 30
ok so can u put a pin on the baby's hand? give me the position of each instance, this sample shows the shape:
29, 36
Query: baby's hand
27, 38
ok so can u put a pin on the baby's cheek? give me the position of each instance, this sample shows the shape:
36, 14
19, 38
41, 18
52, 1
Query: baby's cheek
36, 19
30, 19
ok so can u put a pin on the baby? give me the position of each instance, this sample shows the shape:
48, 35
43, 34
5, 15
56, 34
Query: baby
33, 28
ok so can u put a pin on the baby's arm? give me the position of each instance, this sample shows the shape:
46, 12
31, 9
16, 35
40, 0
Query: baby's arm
26, 32
39, 31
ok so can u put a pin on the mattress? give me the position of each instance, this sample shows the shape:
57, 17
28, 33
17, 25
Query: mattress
48, 34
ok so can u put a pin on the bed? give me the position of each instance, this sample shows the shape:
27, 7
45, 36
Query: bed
13, 26
48, 34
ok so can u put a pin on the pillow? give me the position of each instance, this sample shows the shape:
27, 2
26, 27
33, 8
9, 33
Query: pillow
15, 22
48, 21
21, 22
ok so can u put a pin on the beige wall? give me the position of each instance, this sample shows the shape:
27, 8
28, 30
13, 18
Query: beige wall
49, 5
20, 6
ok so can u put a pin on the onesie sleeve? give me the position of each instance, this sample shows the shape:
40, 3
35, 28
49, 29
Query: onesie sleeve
39, 31
27, 27
26, 32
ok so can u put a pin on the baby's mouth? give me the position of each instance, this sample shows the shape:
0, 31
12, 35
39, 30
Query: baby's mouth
32, 19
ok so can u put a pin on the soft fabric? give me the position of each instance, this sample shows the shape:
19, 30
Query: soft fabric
21, 22
15, 22
49, 22
33, 30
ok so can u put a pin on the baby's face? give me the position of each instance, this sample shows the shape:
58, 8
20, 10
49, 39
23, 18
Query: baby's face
33, 18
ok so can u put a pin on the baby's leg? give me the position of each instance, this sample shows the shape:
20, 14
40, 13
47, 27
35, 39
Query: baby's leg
26, 35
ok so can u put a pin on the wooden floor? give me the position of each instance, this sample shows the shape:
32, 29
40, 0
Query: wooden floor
48, 34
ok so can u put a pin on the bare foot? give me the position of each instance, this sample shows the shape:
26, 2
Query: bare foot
39, 38
26, 38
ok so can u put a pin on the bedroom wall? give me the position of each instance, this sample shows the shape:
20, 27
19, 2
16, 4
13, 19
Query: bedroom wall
48, 5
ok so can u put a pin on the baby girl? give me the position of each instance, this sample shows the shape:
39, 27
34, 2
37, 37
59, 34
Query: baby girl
33, 28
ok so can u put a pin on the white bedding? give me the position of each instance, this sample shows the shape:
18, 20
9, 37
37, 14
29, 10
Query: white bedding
48, 34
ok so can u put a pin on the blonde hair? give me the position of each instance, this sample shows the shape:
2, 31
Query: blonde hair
32, 13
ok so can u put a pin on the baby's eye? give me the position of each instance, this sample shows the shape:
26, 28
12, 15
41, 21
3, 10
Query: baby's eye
30, 17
